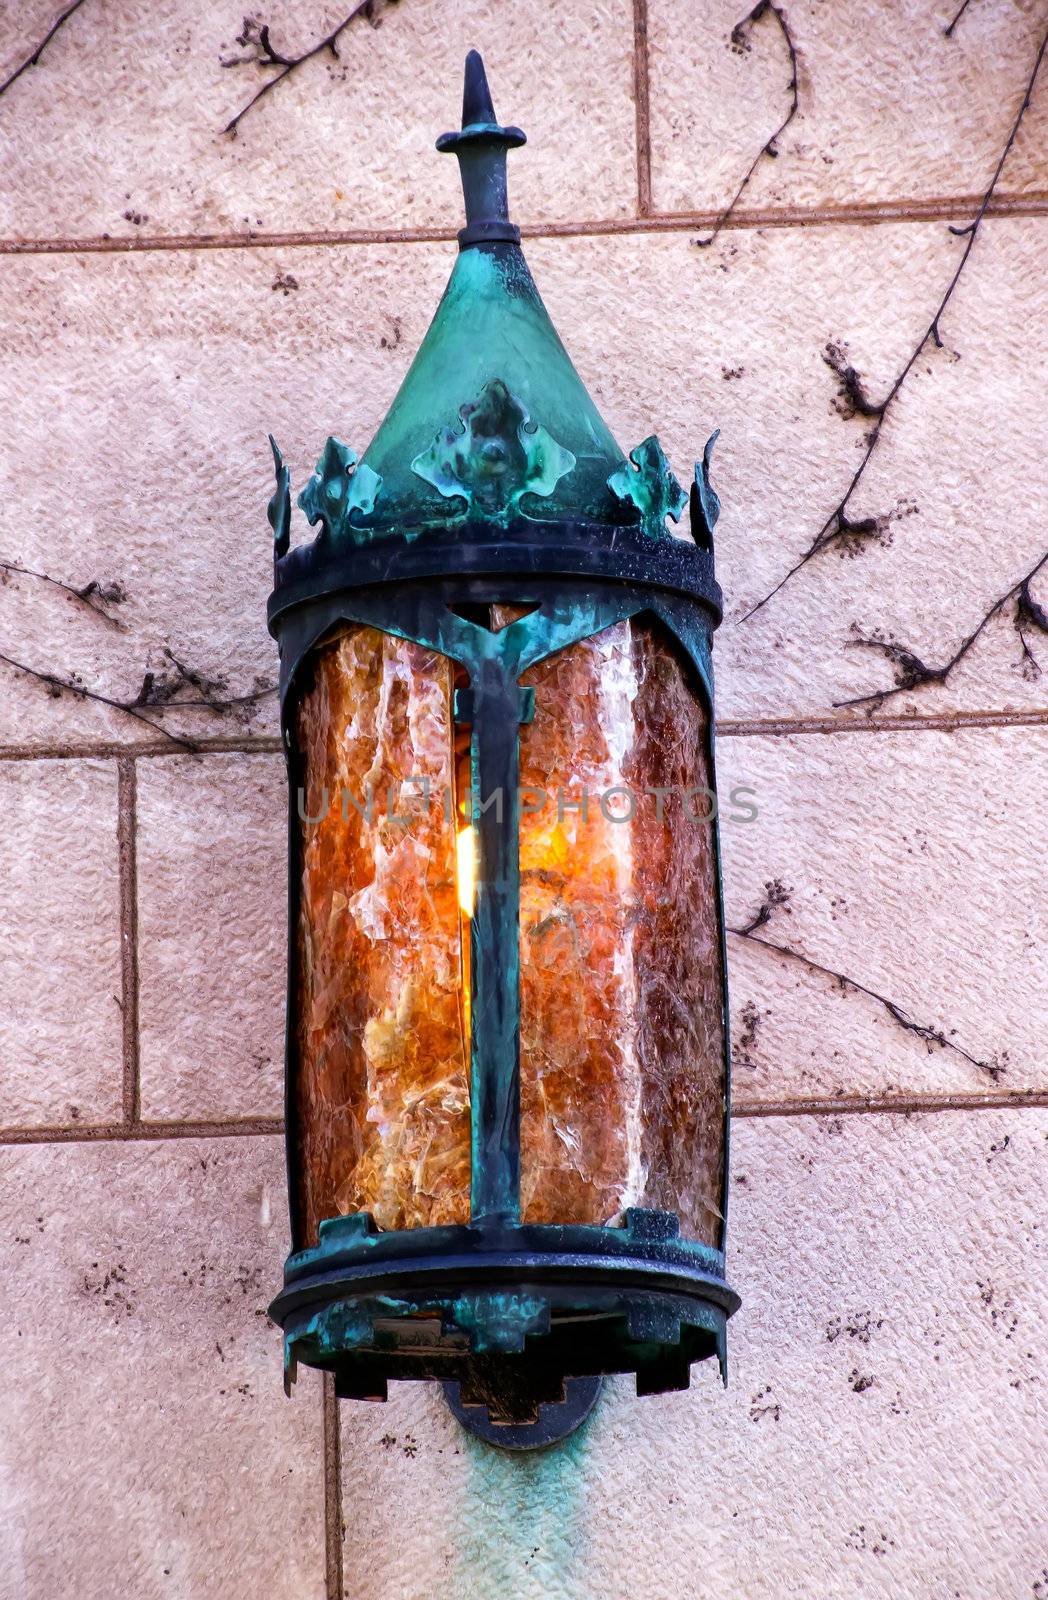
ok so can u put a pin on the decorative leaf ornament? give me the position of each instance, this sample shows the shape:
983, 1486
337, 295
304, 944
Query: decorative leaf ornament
705, 505
652, 487
494, 456
279, 508
335, 490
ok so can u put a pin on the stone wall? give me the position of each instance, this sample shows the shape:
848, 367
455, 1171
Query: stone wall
170, 295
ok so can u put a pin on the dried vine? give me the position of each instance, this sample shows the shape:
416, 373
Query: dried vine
777, 896
839, 526
165, 689
955, 19
96, 596
740, 43
34, 56
853, 400
158, 692
913, 673
266, 55
57, 687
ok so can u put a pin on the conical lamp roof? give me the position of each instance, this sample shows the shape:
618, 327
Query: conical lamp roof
491, 380
492, 429
491, 328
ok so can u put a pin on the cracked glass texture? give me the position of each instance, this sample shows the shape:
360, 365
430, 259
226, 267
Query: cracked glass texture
622, 1025
379, 1098
622, 1030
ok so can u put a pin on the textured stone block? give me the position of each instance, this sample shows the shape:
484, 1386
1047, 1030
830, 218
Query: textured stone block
881, 1434
911, 863
115, 371
60, 969
161, 376
737, 340
148, 1447
344, 143
212, 874
890, 108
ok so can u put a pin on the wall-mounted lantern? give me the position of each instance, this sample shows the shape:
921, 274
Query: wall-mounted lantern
507, 1047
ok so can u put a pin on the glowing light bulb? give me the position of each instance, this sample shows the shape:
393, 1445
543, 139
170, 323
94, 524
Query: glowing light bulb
467, 871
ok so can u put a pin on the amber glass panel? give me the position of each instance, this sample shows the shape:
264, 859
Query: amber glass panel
380, 1081
622, 1034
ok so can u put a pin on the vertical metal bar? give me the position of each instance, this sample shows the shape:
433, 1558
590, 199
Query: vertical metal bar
494, 942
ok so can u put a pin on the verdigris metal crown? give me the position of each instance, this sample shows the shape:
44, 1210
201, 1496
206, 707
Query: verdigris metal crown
493, 458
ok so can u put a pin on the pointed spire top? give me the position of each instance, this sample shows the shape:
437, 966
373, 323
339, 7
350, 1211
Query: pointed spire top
476, 96
481, 146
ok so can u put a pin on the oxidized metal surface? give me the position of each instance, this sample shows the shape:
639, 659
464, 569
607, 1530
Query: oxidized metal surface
651, 486
705, 504
338, 488
480, 145
488, 1418
448, 1303
493, 456
279, 509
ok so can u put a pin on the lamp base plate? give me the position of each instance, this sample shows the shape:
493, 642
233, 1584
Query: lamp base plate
506, 1310
556, 1419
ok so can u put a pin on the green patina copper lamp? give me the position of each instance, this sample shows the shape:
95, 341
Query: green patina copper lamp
507, 1044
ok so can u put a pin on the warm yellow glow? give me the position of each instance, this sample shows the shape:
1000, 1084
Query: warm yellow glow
467, 872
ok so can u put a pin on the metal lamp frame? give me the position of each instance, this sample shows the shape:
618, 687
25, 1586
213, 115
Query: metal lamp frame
518, 1319
504, 1309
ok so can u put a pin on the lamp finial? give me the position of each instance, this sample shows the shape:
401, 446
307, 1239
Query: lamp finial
480, 145
476, 96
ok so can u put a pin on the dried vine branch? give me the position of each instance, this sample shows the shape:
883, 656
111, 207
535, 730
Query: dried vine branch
157, 693
34, 56
57, 687
166, 689
853, 400
96, 596
267, 56
955, 19
838, 525
913, 673
740, 42
776, 896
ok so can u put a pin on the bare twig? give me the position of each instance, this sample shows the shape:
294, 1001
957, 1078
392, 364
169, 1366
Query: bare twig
165, 690
740, 42
838, 525
157, 693
267, 56
94, 595
913, 673
948, 30
213, 703
32, 59
853, 400
57, 687
776, 895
